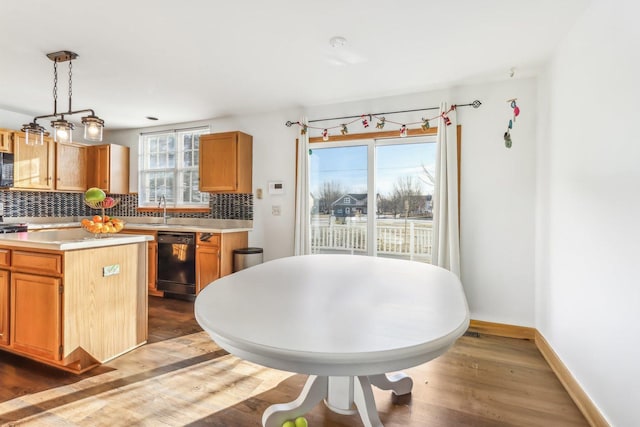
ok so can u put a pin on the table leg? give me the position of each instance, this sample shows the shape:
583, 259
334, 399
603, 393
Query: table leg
366, 404
339, 394
315, 389
399, 383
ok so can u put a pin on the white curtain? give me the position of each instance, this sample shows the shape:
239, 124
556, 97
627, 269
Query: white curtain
446, 237
302, 226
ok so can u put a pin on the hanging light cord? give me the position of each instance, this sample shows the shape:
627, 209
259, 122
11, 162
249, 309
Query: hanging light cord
70, 84
55, 88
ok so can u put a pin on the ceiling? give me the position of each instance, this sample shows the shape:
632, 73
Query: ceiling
199, 59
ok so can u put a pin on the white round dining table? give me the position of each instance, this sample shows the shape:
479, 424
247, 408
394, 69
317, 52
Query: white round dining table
345, 320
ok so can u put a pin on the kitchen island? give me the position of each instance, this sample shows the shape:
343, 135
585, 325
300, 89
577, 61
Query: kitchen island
71, 300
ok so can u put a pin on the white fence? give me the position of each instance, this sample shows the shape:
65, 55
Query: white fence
410, 239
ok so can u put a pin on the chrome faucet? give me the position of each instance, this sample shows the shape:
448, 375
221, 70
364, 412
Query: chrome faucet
163, 202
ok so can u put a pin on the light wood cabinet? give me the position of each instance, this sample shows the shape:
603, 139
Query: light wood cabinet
33, 164
4, 307
108, 168
207, 261
71, 167
152, 263
152, 252
6, 140
36, 315
65, 311
214, 255
225, 162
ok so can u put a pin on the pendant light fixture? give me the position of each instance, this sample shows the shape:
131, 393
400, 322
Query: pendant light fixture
62, 128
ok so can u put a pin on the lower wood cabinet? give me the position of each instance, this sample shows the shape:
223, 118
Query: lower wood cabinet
62, 308
207, 261
36, 315
152, 262
152, 251
214, 255
5, 303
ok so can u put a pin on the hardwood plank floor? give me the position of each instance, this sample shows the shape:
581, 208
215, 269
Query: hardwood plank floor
181, 377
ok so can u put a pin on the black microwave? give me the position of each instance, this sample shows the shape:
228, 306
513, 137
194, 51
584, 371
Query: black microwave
6, 170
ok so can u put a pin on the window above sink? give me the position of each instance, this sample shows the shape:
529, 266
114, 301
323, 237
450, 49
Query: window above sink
168, 166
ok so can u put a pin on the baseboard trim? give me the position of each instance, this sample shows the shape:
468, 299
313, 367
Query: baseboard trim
579, 397
502, 330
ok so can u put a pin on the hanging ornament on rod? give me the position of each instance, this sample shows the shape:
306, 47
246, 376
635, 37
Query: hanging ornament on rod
516, 112
365, 120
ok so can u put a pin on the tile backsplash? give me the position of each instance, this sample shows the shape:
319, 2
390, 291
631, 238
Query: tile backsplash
57, 204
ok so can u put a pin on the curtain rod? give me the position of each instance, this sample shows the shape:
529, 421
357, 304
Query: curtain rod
474, 104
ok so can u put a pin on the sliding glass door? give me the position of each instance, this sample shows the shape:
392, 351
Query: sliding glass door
373, 197
339, 199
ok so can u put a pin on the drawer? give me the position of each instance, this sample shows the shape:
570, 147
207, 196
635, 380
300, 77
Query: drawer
37, 262
5, 257
211, 239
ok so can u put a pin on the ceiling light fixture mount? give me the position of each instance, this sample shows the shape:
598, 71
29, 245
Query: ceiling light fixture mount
337, 41
63, 129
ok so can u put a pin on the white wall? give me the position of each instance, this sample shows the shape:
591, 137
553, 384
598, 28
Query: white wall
11, 120
589, 187
498, 186
497, 192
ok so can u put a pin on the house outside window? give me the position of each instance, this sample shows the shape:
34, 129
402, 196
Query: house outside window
168, 166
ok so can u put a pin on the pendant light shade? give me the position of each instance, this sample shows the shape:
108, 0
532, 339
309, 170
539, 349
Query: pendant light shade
34, 133
93, 126
63, 129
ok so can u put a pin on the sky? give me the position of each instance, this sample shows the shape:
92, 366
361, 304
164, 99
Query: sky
348, 166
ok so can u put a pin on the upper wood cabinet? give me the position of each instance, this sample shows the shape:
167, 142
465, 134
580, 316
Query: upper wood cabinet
34, 165
71, 167
108, 168
225, 162
6, 141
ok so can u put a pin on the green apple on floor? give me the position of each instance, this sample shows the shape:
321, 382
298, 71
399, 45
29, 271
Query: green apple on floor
298, 422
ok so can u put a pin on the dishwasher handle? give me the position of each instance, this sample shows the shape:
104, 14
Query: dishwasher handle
179, 238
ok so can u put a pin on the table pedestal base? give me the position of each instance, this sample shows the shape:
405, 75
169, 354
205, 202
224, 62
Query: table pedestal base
344, 395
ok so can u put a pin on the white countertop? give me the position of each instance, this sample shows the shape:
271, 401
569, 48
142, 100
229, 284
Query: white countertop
65, 240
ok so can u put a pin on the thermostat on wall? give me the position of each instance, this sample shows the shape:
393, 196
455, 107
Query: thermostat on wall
276, 187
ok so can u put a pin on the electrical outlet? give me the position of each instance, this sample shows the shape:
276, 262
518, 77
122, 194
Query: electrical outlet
110, 270
276, 210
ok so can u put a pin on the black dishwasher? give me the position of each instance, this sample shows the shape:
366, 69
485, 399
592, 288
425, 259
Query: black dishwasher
177, 263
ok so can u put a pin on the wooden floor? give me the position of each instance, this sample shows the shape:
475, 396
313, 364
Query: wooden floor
182, 378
